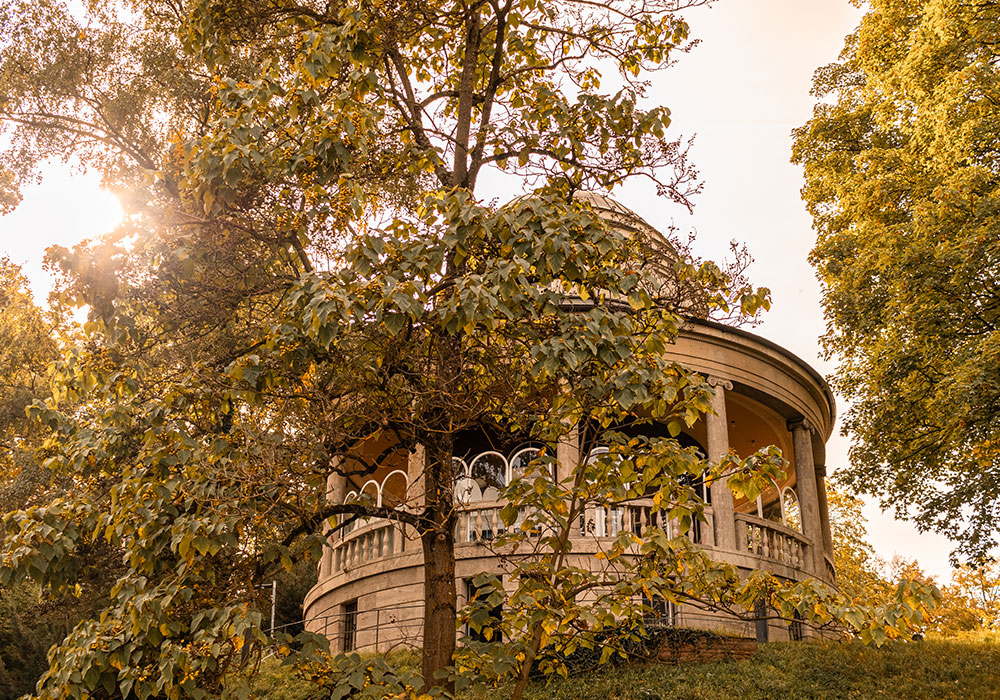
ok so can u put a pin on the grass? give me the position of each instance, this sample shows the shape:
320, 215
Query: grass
962, 668
966, 668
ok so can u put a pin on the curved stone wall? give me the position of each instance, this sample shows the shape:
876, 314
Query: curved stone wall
370, 589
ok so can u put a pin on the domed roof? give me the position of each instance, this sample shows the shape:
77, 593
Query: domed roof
616, 214
657, 253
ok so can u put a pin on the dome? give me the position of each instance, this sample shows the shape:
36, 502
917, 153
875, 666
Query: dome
614, 212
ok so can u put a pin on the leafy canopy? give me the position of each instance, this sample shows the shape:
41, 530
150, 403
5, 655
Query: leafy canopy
902, 180
309, 285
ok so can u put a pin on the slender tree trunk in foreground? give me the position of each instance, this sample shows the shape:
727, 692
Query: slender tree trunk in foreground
438, 540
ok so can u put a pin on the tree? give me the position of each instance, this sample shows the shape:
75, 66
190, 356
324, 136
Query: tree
972, 599
859, 570
283, 127
26, 347
34, 620
900, 161
311, 287
968, 602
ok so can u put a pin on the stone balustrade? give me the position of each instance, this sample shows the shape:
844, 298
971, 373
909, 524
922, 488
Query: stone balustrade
374, 540
379, 539
772, 541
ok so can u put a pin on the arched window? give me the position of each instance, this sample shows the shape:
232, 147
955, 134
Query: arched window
350, 522
372, 492
489, 471
519, 461
393, 489
790, 508
769, 506
601, 521
466, 490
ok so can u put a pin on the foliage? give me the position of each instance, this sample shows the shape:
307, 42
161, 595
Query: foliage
31, 622
901, 172
971, 601
859, 570
23, 641
955, 669
981, 585
968, 602
309, 287
26, 347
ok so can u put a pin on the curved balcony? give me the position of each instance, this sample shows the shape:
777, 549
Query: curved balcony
762, 395
766, 541
772, 541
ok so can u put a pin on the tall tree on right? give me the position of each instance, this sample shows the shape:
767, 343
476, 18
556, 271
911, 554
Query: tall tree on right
902, 173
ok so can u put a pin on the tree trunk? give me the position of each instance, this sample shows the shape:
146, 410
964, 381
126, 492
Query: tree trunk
438, 540
438, 533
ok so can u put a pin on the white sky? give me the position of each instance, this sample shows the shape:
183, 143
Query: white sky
741, 91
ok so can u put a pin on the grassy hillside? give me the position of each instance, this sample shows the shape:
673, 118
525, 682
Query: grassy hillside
967, 668
964, 668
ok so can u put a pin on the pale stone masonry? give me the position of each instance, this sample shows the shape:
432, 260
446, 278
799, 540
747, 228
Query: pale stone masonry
370, 589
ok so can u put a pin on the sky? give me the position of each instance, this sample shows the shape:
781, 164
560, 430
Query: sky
740, 93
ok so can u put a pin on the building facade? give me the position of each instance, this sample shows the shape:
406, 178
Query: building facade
369, 594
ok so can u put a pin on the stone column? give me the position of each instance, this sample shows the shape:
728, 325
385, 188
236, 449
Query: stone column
824, 509
805, 485
568, 454
336, 488
718, 446
416, 463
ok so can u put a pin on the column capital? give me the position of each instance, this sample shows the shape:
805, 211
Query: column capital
719, 381
800, 424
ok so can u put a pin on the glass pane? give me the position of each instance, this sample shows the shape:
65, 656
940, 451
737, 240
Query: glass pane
771, 504
519, 461
466, 490
489, 470
793, 517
